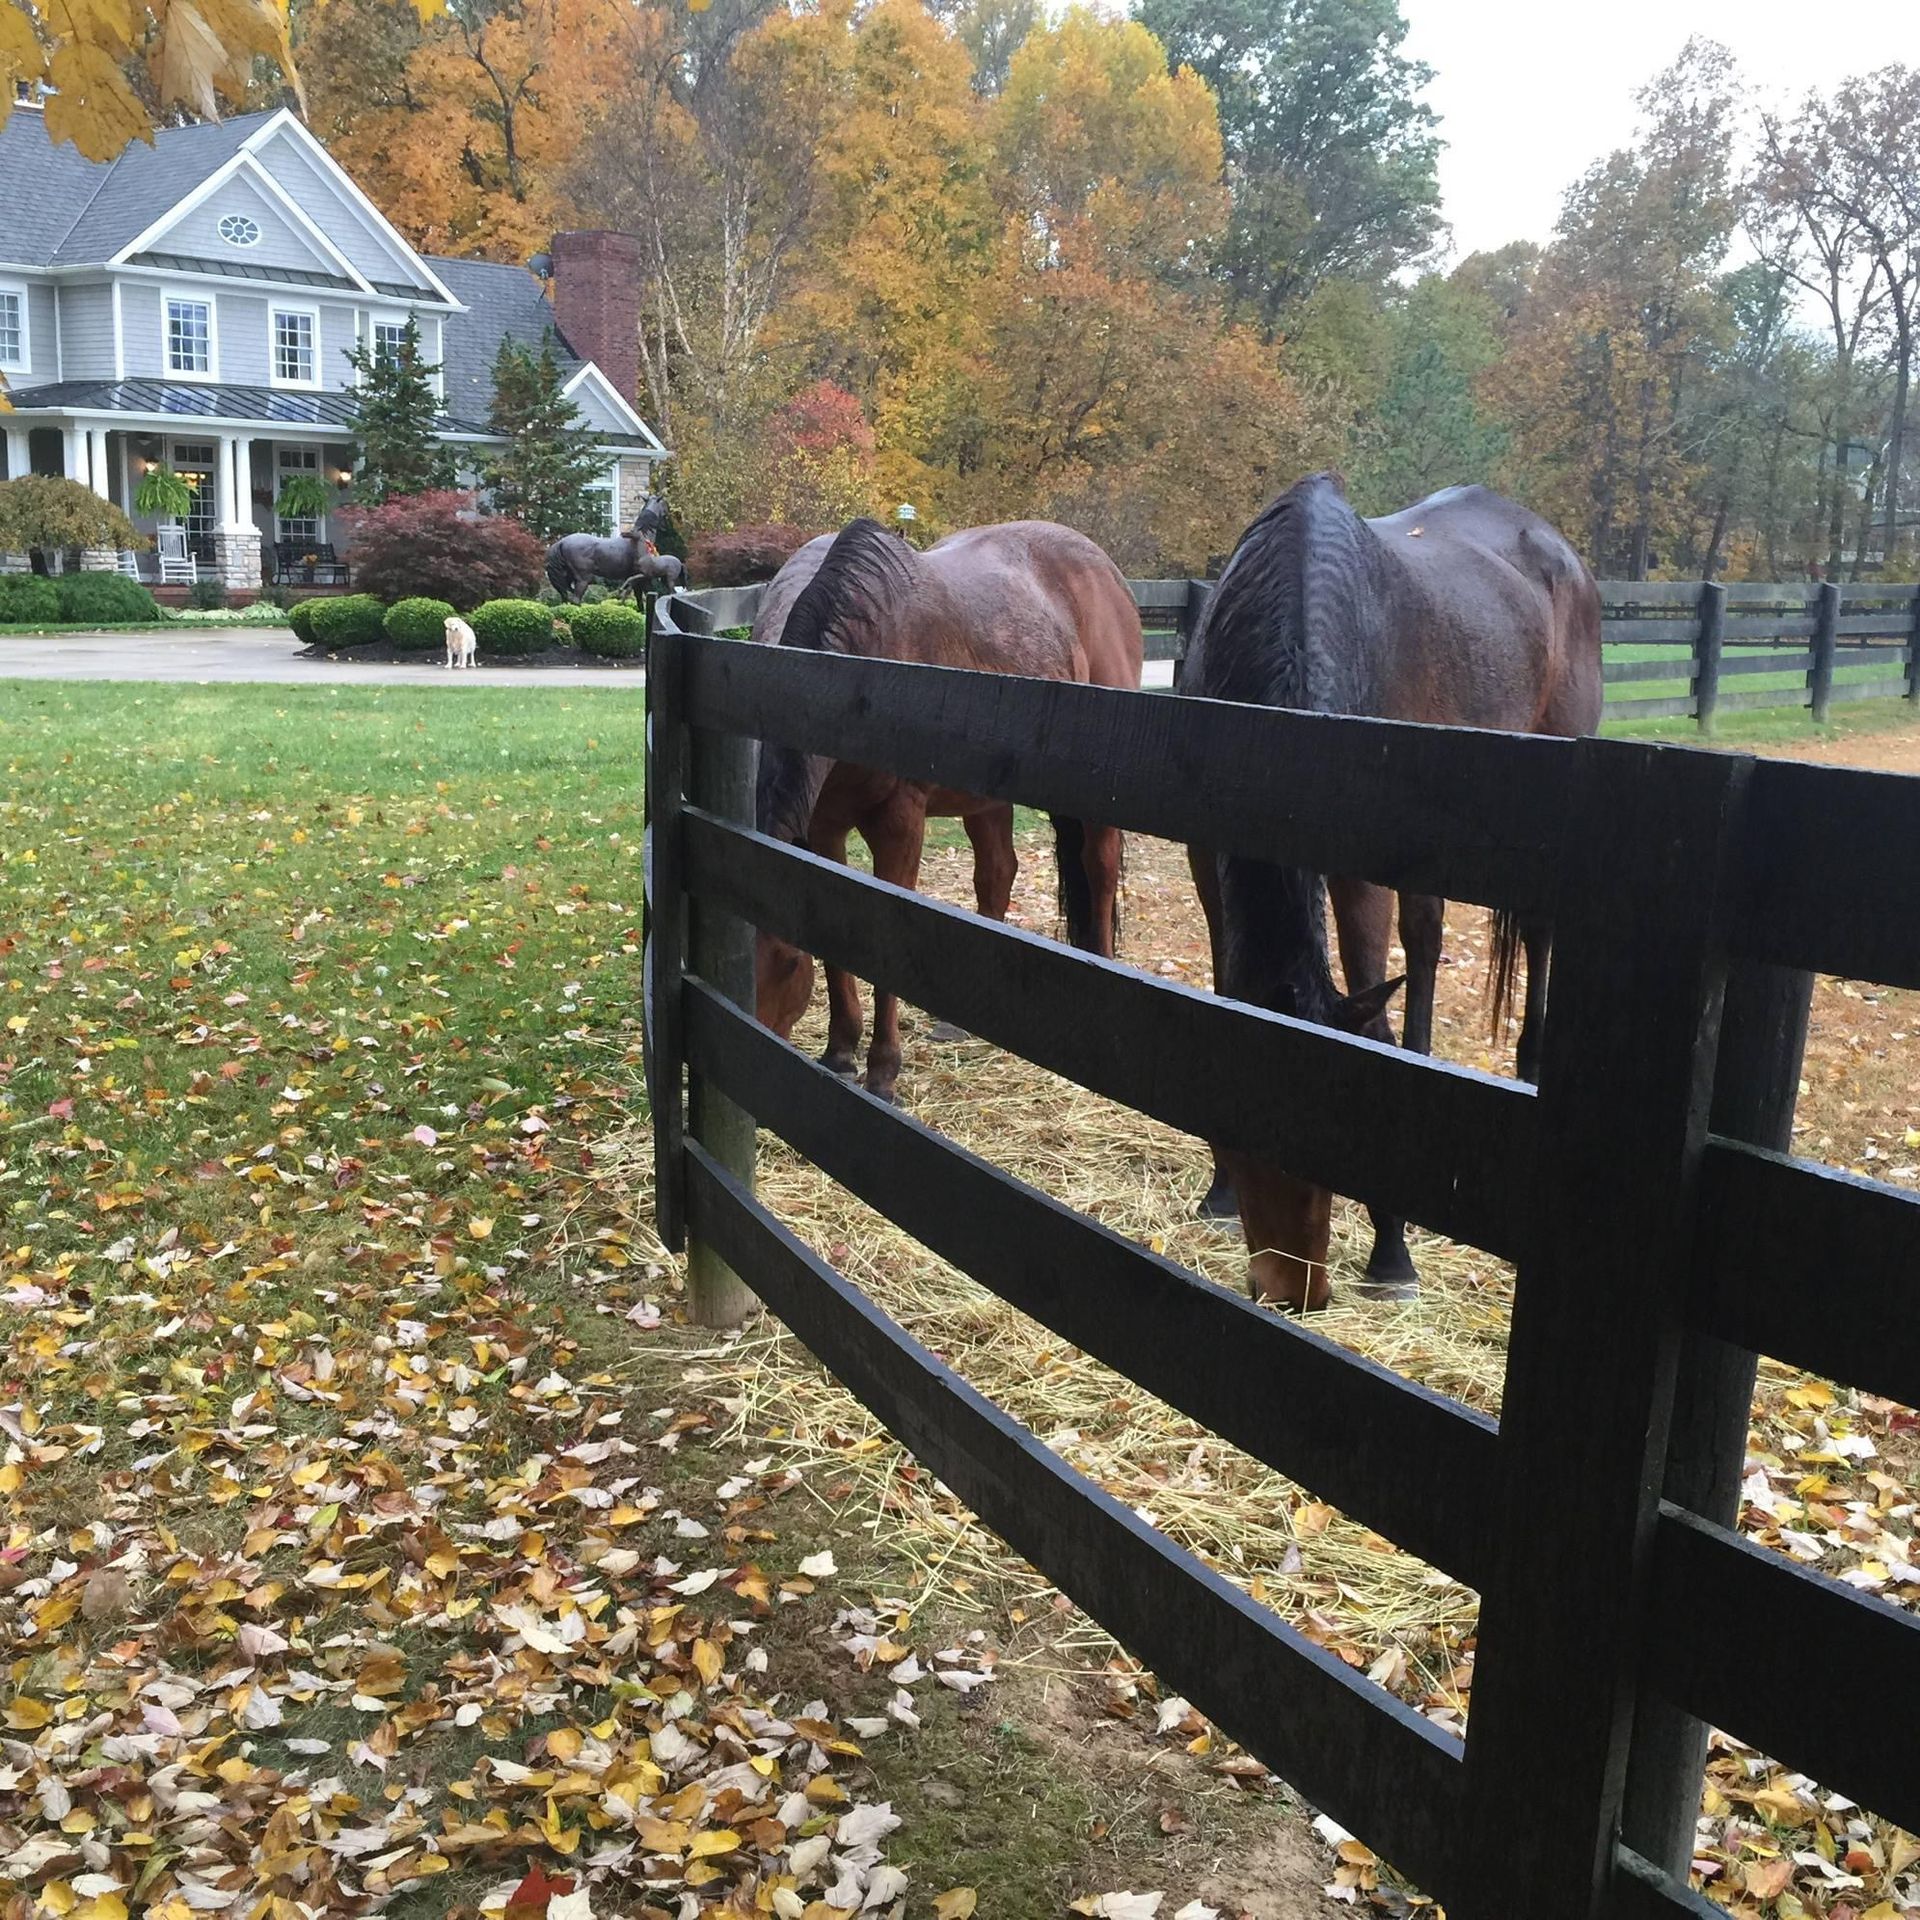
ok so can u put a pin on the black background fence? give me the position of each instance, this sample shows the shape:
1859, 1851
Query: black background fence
1661, 1234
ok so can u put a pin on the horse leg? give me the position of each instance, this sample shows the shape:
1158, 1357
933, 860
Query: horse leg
1363, 921
844, 1017
1102, 855
1219, 1202
995, 867
1538, 942
896, 837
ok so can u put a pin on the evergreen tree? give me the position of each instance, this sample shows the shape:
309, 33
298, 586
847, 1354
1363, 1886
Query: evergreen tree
395, 408
545, 475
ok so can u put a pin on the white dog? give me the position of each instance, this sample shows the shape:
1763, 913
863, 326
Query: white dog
462, 648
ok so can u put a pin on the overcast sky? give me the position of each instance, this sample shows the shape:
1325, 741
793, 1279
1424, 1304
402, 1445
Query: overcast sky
1530, 92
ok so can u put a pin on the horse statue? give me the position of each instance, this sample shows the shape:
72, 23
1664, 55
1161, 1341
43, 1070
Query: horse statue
657, 573
575, 560
1464, 610
1029, 598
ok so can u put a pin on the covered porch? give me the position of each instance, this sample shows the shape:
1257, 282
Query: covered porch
235, 478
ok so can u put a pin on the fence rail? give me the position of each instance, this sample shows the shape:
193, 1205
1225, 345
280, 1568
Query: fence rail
1661, 1235
1863, 641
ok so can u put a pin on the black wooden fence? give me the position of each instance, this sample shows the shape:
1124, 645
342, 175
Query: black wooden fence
1661, 1233
1701, 647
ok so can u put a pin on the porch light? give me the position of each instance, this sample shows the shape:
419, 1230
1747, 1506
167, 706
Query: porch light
906, 512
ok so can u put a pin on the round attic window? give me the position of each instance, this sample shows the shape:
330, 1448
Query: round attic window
238, 231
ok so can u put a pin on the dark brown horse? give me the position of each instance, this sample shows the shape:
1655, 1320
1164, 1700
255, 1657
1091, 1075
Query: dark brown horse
1028, 598
1464, 610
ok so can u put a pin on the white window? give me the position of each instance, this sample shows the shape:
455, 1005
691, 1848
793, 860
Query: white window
13, 327
293, 461
293, 346
189, 335
600, 503
195, 462
239, 231
388, 336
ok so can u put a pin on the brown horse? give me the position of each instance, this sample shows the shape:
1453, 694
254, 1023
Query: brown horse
1464, 610
1029, 598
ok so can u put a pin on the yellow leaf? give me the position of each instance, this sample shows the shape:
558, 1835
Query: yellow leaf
707, 1660
714, 1840
103, 1906
825, 1791
564, 1743
26, 1713
479, 1226
92, 104
58, 1898
956, 1903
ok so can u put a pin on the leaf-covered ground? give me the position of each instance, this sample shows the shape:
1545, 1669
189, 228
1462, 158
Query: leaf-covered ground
362, 1545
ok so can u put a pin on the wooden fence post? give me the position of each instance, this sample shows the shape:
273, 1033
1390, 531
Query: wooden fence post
1913, 650
1763, 1033
1597, 1321
720, 949
1199, 592
1820, 674
664, 930
1706, 652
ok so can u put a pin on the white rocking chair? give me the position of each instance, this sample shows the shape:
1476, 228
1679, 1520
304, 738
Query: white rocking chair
130, 563
177, 565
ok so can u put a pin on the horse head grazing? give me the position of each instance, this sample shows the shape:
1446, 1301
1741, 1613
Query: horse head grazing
859, 582
1286, 628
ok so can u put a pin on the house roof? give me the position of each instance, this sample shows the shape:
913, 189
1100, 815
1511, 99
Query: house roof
208, 400
501, 301
65, 210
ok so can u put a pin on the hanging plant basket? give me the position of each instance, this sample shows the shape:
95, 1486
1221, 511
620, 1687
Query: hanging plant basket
163, 494
303, 496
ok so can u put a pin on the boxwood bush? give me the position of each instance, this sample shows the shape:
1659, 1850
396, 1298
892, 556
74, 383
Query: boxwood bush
110, 598
512, 626
353, 620
609, 628
300, 619
26, 600
418, 622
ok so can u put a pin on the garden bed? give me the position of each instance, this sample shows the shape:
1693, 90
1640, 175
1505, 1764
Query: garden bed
384, 651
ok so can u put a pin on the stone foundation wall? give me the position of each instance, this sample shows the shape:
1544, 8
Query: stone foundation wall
236, 557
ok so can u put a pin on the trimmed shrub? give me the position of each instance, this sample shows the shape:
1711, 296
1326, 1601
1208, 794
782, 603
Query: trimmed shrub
110, 598
611, 629
744, 556
27, 600
418, 622
208, 594
513, 626
300, 619
437, 546
353, 620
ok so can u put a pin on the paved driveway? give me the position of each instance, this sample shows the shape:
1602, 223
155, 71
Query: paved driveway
272, 654
260, 654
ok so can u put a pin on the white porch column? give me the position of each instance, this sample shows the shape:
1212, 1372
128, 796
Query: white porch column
223, 483
236, 540
101, 476
19, 453
73, 454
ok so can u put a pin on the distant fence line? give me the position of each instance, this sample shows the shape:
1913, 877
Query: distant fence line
1847, 643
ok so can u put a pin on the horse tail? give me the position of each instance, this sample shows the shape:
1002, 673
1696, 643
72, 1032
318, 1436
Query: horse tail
1506, 967
557, 572
1073, 891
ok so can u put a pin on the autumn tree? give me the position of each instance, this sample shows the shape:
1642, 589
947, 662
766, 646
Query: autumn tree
1330, 152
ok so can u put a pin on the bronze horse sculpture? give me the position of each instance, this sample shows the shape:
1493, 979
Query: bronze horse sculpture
576, 560
1463, 610
1027, 598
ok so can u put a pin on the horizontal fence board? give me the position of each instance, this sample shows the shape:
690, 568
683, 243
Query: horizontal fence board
1439, 1144
1899, 592
1745, 630
1407, 1462
1466, 815
1844, 690
1732, 666
1673, 708
719, 606
1159, 595
1160, 646
1810, 1264
1757, 700
1871, 653
1717, 1604
1640, 1891
1650, 593
1831, 878
1769, 593
1618, 632
1614, 673
1891, 624
1351, 1748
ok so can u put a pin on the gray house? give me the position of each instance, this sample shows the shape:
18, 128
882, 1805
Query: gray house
191, 303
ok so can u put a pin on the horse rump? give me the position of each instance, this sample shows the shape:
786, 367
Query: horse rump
558, 572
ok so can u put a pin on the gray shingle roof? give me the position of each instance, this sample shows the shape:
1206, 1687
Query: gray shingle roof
502, 301
206, 400
62, 210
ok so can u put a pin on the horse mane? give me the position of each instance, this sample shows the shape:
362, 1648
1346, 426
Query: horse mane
851, 593
1280, 632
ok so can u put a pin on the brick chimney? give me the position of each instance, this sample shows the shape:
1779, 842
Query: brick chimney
596, 300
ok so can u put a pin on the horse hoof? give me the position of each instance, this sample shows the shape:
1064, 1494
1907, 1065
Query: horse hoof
1388, 1287
947, 1034
885, 1095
